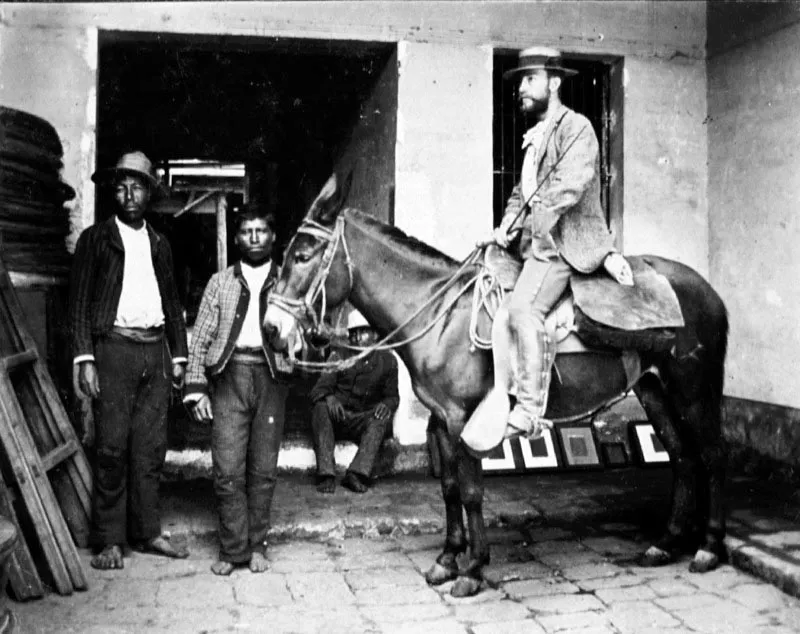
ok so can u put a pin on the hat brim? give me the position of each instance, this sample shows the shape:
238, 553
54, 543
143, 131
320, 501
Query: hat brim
568, 72
106, 174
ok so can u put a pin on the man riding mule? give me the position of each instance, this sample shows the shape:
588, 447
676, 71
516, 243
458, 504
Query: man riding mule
421, 304
556, 214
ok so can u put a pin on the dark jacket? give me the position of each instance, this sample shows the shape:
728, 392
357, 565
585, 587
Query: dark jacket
371, 381
570, 209
96, 286
219, 323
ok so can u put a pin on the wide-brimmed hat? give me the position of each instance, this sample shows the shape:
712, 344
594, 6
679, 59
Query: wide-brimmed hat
540, 58
135, 163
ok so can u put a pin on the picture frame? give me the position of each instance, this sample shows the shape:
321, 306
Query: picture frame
648, 446
578, 446
541, 453
500, 459
614, 454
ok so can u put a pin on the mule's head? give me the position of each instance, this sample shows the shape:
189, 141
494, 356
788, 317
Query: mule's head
315, 277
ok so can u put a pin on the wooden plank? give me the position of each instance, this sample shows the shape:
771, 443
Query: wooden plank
59, 455
22, 574
50, 423
11, 423
21, 358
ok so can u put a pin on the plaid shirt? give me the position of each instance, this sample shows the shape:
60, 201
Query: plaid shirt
219, 323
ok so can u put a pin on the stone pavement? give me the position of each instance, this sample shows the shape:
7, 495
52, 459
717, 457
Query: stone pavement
563, 560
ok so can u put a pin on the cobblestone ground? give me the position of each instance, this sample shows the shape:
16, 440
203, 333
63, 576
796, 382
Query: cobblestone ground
544, 578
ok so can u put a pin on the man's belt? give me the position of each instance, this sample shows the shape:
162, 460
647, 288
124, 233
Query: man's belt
252, 356
140, 335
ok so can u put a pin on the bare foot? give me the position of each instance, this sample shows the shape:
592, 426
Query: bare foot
110, 558
326, 484
258, 563
162, 546
222, 568
355, 482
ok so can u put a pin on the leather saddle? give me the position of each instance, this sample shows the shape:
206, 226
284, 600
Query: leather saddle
595, 310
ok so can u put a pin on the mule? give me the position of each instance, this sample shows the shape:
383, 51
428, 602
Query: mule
342, 254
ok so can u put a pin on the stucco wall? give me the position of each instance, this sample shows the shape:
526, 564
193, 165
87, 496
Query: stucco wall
754, 197
369, 152
665, 210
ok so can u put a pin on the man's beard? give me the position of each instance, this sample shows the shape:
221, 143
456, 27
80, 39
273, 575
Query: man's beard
537, 106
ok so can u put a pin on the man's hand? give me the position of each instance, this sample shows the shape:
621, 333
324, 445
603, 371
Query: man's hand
381, 412
335, 408
201, 410
501, 234
178, 372
88, 380
618, 268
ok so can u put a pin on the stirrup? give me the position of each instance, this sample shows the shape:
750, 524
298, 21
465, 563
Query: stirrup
521, 424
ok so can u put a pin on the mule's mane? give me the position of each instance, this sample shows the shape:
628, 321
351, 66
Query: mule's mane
417, 247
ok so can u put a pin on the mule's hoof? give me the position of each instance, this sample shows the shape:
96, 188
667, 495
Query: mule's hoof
655, 556
704, 561
465, 587
438, 574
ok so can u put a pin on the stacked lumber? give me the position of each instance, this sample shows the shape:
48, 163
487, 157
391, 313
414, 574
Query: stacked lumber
33, 220
45, 479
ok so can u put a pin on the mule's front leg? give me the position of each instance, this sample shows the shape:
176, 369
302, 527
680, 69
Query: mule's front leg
446, 566
470, 477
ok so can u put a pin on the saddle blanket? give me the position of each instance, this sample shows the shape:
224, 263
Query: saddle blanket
650, 303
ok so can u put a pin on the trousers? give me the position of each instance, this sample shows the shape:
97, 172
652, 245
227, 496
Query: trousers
131, 438
359, 427
248, 407
539, 286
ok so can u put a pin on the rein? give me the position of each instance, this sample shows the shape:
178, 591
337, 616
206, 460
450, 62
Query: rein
317, 287
488, 294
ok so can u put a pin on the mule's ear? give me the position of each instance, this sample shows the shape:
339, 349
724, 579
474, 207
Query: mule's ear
330, 200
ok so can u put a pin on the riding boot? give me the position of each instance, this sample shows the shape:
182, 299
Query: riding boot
536, 353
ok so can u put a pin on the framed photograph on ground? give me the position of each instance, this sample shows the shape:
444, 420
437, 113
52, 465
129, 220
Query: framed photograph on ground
540, 453
578, 445
650, 449
501, 458
614, 454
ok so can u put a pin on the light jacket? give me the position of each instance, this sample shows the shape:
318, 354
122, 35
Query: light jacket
569, 208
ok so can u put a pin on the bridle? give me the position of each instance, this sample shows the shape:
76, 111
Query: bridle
303, 309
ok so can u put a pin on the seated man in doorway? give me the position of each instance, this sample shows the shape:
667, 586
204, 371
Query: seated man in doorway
555, 211
356, 404
246, 400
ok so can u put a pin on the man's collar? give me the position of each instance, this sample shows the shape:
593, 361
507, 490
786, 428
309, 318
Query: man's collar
125, 227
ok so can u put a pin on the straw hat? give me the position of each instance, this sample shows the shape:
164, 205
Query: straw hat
135, 163
540, 58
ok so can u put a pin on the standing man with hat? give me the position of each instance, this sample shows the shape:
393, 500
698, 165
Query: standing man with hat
129, 341
237, 383
356, 404
556, 214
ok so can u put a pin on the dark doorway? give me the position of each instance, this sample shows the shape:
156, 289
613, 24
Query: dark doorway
286, 109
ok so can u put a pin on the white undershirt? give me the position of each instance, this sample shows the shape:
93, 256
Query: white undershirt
532, 140
250, 336
140, 299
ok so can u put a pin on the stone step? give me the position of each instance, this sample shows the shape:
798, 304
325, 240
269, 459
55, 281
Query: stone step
297, 455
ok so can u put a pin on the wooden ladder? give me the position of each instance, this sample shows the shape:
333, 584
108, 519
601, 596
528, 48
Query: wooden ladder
42, 454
